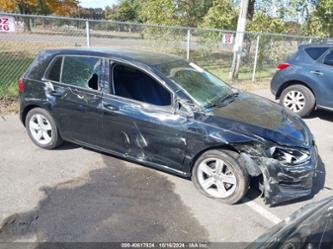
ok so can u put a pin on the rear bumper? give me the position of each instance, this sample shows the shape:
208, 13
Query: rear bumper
284, 183
21, 112
277, 81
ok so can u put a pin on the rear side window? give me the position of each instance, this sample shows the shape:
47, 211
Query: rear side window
315, 53
81, 71
53, 71
329, 59
134, 84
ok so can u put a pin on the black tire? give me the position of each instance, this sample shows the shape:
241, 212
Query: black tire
56, 139
309, 98
229, 158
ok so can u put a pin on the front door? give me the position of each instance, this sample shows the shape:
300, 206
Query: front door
324, 74
139, 120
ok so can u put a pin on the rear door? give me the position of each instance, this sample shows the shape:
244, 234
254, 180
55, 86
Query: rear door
323, 72
75, 96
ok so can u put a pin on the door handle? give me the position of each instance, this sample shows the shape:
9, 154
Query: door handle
316, 72
111, 107
56, 92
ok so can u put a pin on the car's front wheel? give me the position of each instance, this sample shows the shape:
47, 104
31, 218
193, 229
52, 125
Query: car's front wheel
299, 99
218, 175
42, 129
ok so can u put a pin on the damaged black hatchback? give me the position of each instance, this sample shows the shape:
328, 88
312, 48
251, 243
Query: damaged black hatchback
167, 113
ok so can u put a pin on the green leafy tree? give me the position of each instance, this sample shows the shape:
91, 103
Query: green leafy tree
126, 10
320, 22
222, 15
192, 12
163, 12
263, 23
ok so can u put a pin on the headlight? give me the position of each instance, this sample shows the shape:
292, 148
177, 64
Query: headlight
289, 156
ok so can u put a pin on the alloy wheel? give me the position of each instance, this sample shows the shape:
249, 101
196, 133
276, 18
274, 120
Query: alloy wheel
41, 129
216, 178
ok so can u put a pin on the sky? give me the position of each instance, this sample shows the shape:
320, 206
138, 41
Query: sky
96, 3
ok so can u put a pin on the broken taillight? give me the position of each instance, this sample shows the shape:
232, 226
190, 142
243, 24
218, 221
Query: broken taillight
282, 66
20, 86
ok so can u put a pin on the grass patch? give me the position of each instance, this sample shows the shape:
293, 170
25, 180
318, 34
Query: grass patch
12, 67
15, 58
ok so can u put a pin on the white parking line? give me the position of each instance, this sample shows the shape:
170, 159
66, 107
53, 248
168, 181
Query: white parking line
263, 212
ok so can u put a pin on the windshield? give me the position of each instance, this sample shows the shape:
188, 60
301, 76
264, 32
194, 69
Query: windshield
202, 86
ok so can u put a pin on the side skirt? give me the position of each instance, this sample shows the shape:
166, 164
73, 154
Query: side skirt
160, 167
324, 108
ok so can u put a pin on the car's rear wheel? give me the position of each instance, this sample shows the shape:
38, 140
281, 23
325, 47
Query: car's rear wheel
42, 129
217, 175
299, 99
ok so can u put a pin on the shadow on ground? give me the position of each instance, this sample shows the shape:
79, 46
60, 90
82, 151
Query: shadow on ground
322, 114
118, 203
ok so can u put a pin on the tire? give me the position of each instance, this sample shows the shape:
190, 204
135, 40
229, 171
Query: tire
308, 99
42, 129
234, 193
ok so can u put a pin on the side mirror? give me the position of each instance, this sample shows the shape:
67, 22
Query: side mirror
184, 107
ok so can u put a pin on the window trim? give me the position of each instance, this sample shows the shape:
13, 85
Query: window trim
61, 71
113, 61
51, 64
329, 51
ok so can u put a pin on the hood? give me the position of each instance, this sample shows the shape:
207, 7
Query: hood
301, 227
256, 116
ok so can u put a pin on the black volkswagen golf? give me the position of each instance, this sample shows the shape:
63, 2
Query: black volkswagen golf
164, 112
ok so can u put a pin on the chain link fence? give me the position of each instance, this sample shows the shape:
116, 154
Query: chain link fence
211, 49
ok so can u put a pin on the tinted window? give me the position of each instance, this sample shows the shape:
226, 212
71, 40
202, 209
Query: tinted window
315, 53
53, 72
134, 84
329, 59
81, 71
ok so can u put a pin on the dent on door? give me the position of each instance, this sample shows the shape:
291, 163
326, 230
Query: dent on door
146, 133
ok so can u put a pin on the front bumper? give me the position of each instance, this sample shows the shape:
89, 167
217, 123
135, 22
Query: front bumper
284, 183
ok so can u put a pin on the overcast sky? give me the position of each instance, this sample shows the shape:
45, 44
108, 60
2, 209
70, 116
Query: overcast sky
97, 3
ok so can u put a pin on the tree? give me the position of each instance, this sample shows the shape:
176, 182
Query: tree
58, 7
263, 23
163, 12
192, 12
320, 22
126, 10
222, 15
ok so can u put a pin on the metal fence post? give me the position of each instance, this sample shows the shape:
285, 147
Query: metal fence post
256, 59
188, 45
88, 33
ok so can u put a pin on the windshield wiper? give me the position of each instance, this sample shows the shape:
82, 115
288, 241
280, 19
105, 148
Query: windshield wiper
220, 101
230, 96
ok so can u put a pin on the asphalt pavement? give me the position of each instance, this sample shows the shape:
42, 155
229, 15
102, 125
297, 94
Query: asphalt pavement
76, 194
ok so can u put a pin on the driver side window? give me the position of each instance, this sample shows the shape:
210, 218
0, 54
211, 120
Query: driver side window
131, 83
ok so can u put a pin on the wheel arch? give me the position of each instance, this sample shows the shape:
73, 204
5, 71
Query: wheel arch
31, 106
219, 147
293, 82
27, 109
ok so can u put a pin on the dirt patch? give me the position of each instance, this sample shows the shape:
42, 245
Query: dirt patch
121, 202
8, 105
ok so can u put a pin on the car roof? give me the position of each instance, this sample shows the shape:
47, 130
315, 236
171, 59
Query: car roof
148, 58
316, 45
